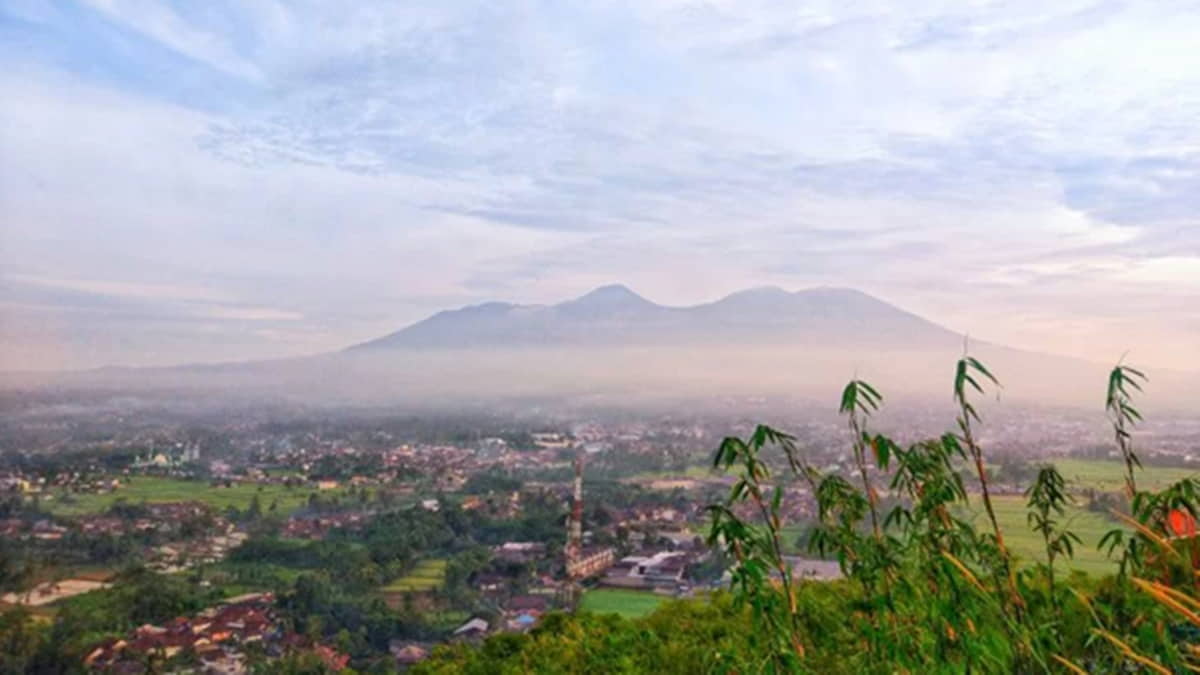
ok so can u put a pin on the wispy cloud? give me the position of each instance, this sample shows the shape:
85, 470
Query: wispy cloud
122, 289
205, 36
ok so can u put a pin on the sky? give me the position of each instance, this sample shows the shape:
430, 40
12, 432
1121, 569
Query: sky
225, 180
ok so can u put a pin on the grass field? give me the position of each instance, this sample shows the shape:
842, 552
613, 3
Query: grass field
152, 489
629, 604
1011, 512
1108, 475
426, 576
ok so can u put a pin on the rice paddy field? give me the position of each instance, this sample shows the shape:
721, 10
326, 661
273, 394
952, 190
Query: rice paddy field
426, 576
630, 604
1107, 476
694, 471
1101, 475
1027, 544
153, 489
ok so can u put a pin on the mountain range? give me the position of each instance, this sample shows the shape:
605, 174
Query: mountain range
615, 345
615, 316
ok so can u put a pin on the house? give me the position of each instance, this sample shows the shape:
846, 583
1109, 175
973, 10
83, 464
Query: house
489, 582
816, 570
409, 655
475, 629
552, 441
11, 527
527, 604
101, 525
46, 530
333, 660
520, 551
681, 540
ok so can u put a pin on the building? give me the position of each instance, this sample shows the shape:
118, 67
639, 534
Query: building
590, 562
666, 569
551, 441
815, 570
520, 551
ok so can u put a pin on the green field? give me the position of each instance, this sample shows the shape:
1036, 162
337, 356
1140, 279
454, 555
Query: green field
1108, 476
1012, 512
694, 472
237, 578
152, 489
630, 604
426, 576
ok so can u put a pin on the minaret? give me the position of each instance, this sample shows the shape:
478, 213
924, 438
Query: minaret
575, 528
571, 590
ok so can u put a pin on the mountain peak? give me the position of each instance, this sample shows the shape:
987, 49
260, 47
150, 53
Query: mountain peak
760, 292
836, 291
610, 291
610, 297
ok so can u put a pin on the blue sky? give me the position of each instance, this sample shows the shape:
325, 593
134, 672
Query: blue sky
229, 180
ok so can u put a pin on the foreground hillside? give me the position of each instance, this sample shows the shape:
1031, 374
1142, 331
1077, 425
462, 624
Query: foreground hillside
714, 635
680, 637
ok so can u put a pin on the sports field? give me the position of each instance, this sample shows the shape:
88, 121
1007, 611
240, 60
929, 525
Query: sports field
630, 604
152, 489
426, 576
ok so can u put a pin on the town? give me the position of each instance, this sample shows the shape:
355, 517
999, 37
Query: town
368, 542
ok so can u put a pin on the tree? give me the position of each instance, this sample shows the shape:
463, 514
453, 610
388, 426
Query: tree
254, 510
21, 638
